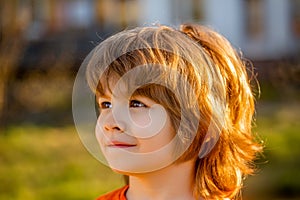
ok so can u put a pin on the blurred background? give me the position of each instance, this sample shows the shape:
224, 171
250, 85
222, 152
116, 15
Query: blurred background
43, 42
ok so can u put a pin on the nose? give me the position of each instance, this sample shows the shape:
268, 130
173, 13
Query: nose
112, 126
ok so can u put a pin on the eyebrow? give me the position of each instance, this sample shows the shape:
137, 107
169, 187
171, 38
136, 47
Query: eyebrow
104, 96
101, 95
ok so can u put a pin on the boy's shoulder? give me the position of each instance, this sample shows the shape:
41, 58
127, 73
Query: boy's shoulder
118, 194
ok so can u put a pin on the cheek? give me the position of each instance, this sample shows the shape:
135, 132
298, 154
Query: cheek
160, 140
147, 123
99, 131
140, 117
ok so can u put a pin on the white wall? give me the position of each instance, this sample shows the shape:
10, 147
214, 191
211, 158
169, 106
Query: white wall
226, 17
153, 11
279, 37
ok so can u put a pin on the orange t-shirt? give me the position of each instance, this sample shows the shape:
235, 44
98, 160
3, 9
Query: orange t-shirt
118, 194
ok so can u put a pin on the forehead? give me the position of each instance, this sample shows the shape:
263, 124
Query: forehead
107, 84
120, 87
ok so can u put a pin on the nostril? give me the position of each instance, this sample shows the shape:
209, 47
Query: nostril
112, 128
110, 124
117, 128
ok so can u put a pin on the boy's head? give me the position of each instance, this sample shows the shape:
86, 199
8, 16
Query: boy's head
168, 67
201, 82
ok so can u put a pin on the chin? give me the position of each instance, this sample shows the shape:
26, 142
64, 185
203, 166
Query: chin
129, 167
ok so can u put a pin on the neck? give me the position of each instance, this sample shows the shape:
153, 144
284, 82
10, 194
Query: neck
173, 182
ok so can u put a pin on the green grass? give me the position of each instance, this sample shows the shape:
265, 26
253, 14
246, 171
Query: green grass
279, 176
51, 163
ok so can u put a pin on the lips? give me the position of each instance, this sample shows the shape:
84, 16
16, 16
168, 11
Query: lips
119, 144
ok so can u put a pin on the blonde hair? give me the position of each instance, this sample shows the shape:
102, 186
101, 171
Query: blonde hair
218, 79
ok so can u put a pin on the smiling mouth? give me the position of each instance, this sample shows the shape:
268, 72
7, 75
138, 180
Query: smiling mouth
121, 145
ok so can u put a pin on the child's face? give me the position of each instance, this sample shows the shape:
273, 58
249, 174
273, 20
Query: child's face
134, 134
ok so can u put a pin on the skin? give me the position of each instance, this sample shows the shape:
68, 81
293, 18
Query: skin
173, 182
123, 147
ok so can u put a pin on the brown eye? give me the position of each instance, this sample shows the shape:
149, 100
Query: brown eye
105, 105
136, 104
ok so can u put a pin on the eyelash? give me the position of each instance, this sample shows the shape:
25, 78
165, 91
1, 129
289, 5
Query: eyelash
132, 104
105, 105
135, 102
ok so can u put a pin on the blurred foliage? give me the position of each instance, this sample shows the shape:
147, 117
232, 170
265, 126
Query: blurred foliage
278, 125
42, 97
279, 80
12, 45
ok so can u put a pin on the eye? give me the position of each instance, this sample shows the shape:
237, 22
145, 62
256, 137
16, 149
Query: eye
136, 104
105, 105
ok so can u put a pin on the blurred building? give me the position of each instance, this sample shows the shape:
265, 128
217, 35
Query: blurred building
263, 29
